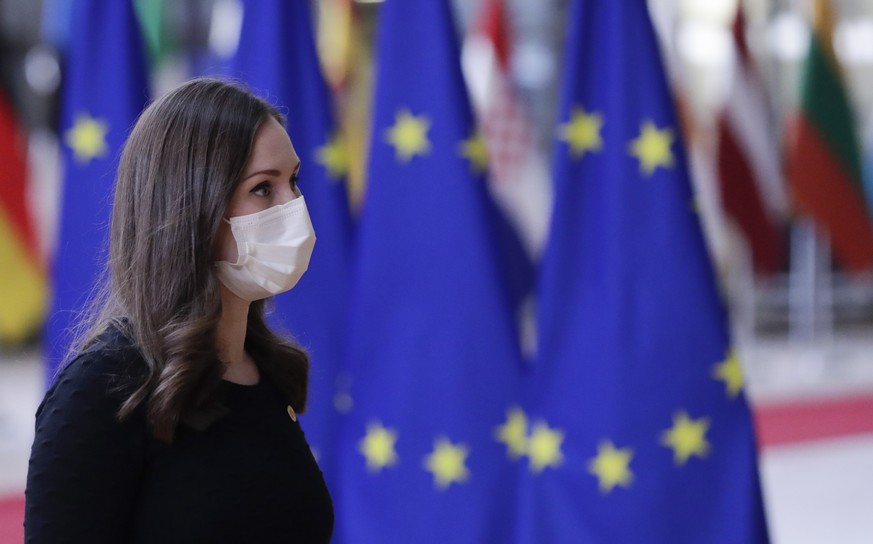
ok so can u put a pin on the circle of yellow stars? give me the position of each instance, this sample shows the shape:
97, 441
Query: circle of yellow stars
87, 138
540, 443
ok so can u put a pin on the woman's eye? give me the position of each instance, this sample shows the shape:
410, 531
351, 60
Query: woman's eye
293, 182
262, 189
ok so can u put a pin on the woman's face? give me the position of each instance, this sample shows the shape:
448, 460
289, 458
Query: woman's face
269, 179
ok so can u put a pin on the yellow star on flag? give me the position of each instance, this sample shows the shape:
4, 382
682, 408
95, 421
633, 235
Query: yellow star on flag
377, 447
87, 138
474, 148
332, 155
687, 437
730, 371
544, 447
513, 433
408, 135
582, 132
447, 463
652, 148
611, 466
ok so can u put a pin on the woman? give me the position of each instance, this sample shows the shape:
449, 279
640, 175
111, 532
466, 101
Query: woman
176, 419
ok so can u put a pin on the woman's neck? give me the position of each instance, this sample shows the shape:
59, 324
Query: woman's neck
231, 332
231, 340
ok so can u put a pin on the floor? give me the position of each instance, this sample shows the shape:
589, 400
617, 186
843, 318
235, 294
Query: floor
813, 404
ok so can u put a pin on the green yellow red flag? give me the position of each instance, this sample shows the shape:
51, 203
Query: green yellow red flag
824, 167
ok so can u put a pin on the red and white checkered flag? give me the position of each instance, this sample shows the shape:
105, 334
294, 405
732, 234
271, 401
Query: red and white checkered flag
518, 173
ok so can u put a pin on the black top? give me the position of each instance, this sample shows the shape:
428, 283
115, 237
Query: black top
248, 477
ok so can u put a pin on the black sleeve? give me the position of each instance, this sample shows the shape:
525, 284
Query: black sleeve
85, 465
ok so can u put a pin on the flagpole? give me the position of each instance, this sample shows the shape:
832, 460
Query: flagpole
741, 288
809, 293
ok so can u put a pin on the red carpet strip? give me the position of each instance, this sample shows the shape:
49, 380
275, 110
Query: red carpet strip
779, 424
11, 519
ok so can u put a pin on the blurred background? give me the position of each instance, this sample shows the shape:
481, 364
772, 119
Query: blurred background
799, 289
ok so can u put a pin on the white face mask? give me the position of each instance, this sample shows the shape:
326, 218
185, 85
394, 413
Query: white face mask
274, 248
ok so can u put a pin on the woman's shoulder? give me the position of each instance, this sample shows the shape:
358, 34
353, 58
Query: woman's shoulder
105, 372
111, 354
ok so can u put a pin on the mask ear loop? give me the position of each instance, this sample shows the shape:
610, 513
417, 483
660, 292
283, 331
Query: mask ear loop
215, 263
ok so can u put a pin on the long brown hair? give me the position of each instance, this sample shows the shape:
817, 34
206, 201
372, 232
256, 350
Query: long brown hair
177, 172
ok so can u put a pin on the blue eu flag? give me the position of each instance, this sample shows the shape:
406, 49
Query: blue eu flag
277, 58
433, 355
105, 88
639, 430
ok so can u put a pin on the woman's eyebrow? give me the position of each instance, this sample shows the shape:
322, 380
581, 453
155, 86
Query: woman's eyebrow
262, 172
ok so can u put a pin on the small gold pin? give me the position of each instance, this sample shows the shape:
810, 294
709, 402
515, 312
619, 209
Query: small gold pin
291, 413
